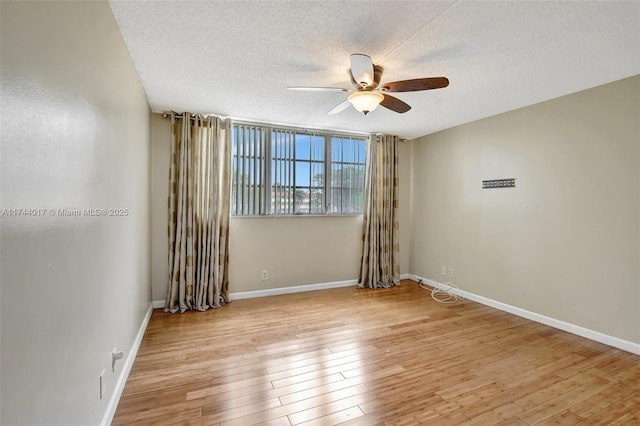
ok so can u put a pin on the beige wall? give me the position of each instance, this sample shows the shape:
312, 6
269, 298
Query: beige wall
404, 208
565, 242
160, 153
75, 134
294, 250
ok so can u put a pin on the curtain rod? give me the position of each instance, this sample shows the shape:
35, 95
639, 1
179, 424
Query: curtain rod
179, 115
166, 114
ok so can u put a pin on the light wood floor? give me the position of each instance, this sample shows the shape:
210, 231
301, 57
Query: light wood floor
363, 357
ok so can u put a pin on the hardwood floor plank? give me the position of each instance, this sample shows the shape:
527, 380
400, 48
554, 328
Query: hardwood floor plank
297, 378
339, 417
320, 390
510, 395
328, 399
280, 421
361, 357
234, 413
244, 396
604, 399
620, 413
513, 421
365, 420
452, 419
329, 408
309, 384
230, 387
564, 418
564, 401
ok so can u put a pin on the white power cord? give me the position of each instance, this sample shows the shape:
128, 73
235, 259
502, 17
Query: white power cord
443, 292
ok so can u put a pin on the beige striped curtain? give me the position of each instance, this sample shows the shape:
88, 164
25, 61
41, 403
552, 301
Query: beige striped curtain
199, 194
379, 264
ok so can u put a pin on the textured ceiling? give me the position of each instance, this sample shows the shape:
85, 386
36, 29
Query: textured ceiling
236, 58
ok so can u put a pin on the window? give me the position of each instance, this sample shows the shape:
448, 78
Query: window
347, 175
292, 172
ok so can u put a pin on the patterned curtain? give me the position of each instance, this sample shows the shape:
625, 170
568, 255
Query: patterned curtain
199, 194
379, 264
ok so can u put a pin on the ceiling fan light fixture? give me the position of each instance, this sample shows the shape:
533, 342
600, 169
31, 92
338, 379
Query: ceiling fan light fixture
365, 101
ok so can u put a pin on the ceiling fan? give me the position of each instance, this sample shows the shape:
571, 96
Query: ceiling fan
368, 93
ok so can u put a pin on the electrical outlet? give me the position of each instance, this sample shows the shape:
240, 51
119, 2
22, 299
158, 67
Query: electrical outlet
102, 384
443, 270
265, 275
450, 272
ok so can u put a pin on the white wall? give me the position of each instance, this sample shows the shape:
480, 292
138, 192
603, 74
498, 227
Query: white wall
565, 242
75, 134
294, 250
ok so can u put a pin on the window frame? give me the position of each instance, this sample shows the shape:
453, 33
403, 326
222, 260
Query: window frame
327, 136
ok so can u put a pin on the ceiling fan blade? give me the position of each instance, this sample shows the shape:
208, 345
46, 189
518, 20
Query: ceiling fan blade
394, 104
340, 107
416, 85
318, 89
362, 69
